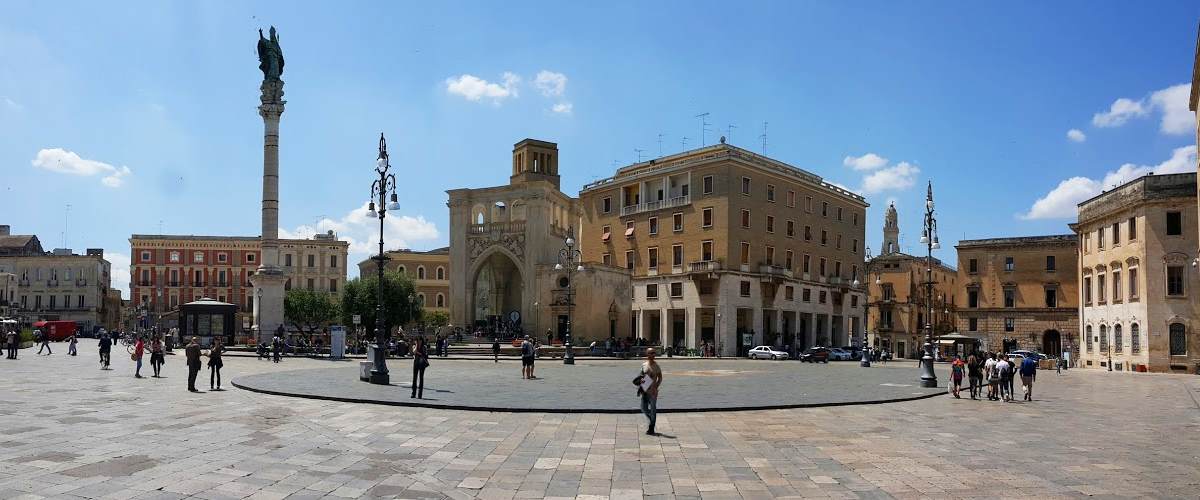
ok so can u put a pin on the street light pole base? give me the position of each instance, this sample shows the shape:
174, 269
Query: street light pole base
865, 363
568, 355
380, 378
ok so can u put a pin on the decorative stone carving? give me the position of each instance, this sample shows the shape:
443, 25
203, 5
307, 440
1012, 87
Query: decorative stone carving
514, 243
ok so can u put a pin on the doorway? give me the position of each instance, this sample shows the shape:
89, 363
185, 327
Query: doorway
1052, 343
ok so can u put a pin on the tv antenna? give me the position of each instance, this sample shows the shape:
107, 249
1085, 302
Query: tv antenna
317, 224
660, 136
683, 143
160, 231
729, 132
764, 138
703, 126
639, 153
66, 218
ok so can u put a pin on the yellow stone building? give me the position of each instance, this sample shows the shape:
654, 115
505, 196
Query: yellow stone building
57, 285
430, 272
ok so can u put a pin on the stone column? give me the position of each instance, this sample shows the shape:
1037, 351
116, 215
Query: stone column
691, 327
664, 327
269, 278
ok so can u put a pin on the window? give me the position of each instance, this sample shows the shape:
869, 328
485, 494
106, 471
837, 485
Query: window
79, 304
807, 233
53, 301
1116, 233
824, 209
824, 237
174, 256
629, 230
789, 293
838, 242
654, 225
839, 213
1174, 223
807, 260
420, 272
287, 260
1100, 289
708, 184
222, 257
145, 256
1118, 342
973, 266
788, 260
250, 258
1088, 340
441, 300
821, 297
853, 301
677, 289
1010, 297
333, 262
1087, 290
1050, 264
198, 257
1175, 280
791, 228
677, 255
889, 293
808, 204
198, 278
312, 262
706, 217
791, 199
287, 285
770, 223
221, 278
745, 185
770, 256
1132, 228
745, 218
605, 233
806, 295
402, 270
821, 269
1100, 238
629, 259
1009, 265
677, 221
1135, 339
1133, 284
606, 259
606, 204
1178, 339
333, 285
744, 288
745, 256
854, 246
441, 272
1116, 286
1051, 297
311, 284
973, 324
855, 218
706, 253
652, 292
770, 193
1010, 324
652, 258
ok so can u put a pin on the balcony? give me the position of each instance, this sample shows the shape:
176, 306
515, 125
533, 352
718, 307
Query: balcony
173, 283
774, 270
650, 206
23, 282
81, 282
52, 283
496, 228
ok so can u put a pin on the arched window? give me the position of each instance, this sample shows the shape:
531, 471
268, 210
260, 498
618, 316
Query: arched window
1135, 337
420, 272
441, 273
421, 299
1087, 338
441, 300
1118, 342
402, 270
1103, 339
1178, 336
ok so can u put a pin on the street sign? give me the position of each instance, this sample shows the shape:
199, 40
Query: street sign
357, 318
337, 341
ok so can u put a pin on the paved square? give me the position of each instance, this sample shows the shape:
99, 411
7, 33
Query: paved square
73, 431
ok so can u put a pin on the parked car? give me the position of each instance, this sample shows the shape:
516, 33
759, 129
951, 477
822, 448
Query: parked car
1037, 356
815, 355
767, 352
839, 354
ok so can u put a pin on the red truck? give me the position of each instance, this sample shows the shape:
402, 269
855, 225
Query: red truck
56, 331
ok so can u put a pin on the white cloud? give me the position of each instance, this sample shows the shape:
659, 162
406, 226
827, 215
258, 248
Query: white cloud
1171, 102
550, 83
119, 271
65, 162
563, 107
896, 177
362, 232
1062, 201
869, 161
474, 88
12, 105
1076, 135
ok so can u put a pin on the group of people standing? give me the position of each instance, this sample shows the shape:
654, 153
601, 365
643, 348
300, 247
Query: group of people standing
998, 371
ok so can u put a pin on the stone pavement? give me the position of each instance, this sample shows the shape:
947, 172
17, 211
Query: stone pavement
68, 430
605, 385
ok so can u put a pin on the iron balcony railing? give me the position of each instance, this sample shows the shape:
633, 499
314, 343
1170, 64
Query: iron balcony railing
677, 201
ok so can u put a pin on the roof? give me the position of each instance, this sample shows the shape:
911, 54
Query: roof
16, 240
193, 237
1194, 100
436, 251
1063, 239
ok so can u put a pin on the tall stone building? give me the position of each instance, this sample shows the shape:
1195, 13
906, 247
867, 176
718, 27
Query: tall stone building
730, 248
897, 306
1194, 105
430, 272
56, 285
1022, 290
1139, 305
505, 242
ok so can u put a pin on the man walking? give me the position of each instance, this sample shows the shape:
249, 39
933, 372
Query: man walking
527, 358
105, 351
72, 342
44, 340
11, 339
276, 347
1006, 372
496, 349
1028, 375
651, 371
193, 363
993, 377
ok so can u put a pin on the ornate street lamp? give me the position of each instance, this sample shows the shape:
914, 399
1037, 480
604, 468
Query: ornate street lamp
866, 347
930, 239
569, 259
380, 188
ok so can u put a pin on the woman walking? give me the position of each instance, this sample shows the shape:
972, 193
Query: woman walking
215, 364
420, 363
156, 355
957, 367
139, 349
71, 346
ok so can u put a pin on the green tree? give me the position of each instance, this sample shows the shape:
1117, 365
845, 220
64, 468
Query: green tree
436, 318
310, 310
358, 297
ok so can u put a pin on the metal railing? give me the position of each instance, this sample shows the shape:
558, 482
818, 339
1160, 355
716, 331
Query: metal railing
704, 266
677, 201
497, 227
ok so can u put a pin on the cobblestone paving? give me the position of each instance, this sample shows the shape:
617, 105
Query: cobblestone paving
69, 430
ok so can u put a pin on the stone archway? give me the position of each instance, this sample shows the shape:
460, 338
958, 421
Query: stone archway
497, 287
1052, 343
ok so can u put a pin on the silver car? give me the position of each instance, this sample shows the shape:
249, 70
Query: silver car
767, 352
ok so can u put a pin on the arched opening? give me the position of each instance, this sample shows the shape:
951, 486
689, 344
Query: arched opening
441, 273
1052, 343
498, 288
420, 272
441, 300
402, 270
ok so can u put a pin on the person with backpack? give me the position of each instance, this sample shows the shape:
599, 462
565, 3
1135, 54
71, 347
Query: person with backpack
105, 351
1028, 375
527, 353
957, 367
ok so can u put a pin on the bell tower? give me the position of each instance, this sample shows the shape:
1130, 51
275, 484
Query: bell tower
891, 231
535, 160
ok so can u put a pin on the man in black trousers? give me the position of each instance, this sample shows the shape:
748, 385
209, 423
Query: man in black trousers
193, 363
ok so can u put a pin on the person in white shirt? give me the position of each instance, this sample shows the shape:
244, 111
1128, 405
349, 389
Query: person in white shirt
993, 378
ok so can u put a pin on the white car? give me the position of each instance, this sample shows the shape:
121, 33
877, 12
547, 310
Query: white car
839, 354
766, 352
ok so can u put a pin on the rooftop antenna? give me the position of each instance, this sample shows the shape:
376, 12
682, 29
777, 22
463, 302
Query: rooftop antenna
660, 136
616, 163
703, 126
66, 217
729, 132
317, 224
764, 138
160, 231
683, 143
639, 153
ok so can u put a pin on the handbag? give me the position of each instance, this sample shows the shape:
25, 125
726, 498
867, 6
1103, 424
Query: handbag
132, 356
423, 362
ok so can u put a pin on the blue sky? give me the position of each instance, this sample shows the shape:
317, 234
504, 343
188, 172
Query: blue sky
141, 115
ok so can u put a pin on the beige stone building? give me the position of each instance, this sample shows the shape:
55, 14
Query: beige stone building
8, 295
57, 285
1138, 286
504, 244
430, 272
898, 304
730, 248
169, 270
1020, 289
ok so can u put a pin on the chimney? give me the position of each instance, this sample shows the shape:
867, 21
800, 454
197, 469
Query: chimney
5, 230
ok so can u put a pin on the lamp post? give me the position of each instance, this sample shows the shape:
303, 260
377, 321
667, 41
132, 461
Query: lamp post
569, 259
379, 192
930, 240
536, 315
866, 347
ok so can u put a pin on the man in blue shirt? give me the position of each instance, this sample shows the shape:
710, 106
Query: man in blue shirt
1028, 375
